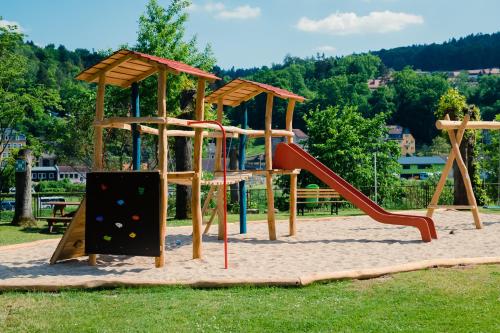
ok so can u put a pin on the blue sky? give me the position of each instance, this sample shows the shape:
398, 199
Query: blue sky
254, 33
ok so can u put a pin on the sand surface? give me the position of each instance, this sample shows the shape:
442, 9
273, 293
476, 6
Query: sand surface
326, 246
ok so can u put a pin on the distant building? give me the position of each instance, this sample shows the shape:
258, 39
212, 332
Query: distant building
404, 138
420, 167
474, 74
75, 174
11, 139
46, 160
44, 173
299, 138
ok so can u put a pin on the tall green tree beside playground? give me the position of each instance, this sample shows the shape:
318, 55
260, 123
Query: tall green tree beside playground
162, 33
491, 163
454, 104
12, 78
346, 142
416, 97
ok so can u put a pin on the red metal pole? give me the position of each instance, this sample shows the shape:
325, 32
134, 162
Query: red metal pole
225, 174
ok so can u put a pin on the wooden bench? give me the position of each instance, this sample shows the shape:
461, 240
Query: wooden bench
53, 220
321, 196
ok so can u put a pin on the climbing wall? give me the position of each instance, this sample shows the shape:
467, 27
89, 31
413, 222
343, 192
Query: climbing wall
122, 213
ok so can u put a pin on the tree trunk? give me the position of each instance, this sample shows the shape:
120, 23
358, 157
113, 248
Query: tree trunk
233, 165
23, 215
183, 162
184, 157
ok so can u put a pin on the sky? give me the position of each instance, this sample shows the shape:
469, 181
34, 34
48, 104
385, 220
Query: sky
253, 33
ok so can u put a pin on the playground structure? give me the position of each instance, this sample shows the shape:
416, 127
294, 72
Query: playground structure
125, 69
456, 131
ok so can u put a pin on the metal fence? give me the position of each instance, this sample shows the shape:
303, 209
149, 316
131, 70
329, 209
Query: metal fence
397, 197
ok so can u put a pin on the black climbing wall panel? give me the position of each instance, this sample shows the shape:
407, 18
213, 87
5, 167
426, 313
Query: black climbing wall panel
122, 213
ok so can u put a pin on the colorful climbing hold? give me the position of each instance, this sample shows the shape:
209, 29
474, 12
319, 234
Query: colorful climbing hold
120, 202
119, 225
136, 217
107, 238
140, 190
99, 218
132, 235
104, 187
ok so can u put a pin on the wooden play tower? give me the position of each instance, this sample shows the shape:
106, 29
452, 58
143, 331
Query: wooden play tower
126, 69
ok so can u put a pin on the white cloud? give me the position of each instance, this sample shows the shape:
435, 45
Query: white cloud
220, 11
5, 23
241, 12
326, 49
214, 7
351, 23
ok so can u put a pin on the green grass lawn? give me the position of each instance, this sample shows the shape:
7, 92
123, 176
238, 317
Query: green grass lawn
463, 299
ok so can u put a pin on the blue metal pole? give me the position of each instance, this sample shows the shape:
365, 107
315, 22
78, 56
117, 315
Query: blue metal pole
241, 163
136, 136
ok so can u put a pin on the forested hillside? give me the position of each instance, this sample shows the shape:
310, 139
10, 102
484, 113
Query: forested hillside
471, 52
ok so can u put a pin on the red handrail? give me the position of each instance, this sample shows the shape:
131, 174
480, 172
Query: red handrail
225, 172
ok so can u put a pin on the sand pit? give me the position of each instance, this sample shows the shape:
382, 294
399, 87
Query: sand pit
327, 249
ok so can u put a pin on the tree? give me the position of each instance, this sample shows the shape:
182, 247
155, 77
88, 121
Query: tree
454, 104
23, 215
345, 141
161, 33
13, 68
416, 97
491, 162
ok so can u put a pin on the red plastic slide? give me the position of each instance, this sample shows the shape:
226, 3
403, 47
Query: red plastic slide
291, 156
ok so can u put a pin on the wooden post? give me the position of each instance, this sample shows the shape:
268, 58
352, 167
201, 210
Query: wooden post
218, 168
446, 170
136, 135
465, 174
162, 163
241, 163
196, 183
292, 228
271, 223
98, 130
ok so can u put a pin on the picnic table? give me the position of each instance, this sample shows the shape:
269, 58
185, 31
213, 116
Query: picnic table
59, 206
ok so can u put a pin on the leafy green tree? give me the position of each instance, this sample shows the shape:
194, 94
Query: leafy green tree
345, 141
416, 98
162, 33
454, 104
491, 163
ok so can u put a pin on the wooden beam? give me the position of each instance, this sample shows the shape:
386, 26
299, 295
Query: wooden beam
292, 225
141, 77
446, 170
453, 125
98, 131
197, 217
162, 164
465, 173
218, 168
109, 67
271, 222
207, 200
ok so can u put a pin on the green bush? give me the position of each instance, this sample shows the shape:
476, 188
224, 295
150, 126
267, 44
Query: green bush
59, 186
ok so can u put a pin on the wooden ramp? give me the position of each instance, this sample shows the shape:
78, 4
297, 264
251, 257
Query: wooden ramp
72, 244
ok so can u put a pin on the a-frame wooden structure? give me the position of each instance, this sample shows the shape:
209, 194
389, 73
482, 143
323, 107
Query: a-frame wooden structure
456, 130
